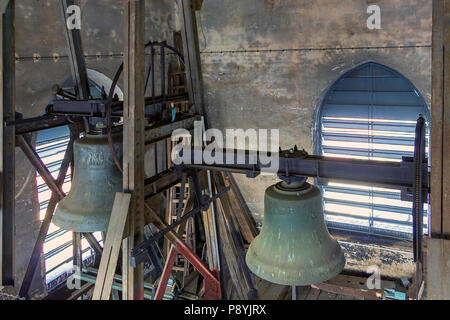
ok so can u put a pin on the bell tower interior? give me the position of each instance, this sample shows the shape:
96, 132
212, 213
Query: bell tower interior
224, 150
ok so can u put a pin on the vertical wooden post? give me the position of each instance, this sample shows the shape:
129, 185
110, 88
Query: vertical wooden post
192, 54
440, 111
7, 142
133, 139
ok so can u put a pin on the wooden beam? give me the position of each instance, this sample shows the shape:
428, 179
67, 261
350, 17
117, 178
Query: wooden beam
165, 129
242, 213
75, 54
161, 182
198, 5
192, 54
134, 127
440, 120
110, 255
7, 143
438, 276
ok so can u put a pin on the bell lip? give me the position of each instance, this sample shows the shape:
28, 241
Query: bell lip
70, 221
267, 277
62, 224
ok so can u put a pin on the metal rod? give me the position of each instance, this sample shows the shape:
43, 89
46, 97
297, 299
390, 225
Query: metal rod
35, 255
138, 255
36, 161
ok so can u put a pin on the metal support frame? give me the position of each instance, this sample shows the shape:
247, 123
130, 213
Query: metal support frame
139, 254
7, 143
295, 163
212, 287
192, 54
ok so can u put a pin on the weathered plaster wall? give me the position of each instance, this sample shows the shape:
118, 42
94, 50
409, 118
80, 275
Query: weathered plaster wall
267, 63
42, 62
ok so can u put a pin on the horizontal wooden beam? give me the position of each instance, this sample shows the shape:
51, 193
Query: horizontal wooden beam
161, 182
165, 129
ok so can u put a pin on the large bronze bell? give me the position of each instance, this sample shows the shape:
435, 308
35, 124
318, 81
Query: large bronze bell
96, 179
294, 247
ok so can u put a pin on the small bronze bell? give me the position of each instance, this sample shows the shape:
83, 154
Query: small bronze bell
294, 247
96, 179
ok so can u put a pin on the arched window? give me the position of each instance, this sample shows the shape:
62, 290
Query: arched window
369, 113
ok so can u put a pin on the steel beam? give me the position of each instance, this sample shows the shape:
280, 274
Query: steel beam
75, 53
192, 54
7, 143
393, 175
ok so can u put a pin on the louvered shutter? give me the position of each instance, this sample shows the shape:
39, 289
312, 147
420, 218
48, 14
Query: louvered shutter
370, 114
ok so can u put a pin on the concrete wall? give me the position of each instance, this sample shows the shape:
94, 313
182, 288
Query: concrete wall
266, 64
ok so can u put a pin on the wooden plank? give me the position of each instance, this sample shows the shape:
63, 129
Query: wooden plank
192, 54
436, 118
233, 245
446, 125
440, 120
240, 210
438, 273
134, 127
111, 247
